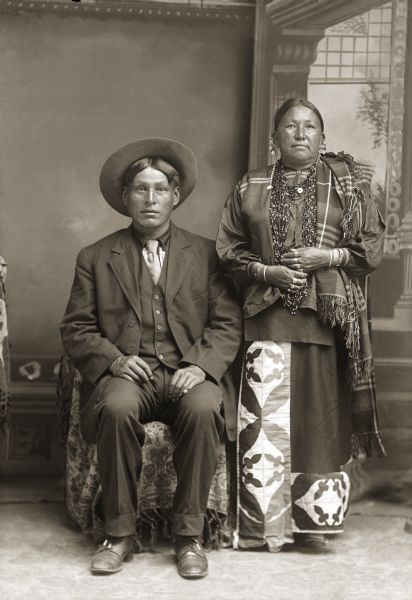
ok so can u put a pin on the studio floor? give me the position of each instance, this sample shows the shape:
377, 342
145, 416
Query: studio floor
42, 557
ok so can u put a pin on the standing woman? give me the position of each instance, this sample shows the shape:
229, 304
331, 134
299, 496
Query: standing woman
297, 237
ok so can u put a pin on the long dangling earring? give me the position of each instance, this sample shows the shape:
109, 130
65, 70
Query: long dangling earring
322, 147
274, 148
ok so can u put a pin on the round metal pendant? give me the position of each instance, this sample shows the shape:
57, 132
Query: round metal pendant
299, 190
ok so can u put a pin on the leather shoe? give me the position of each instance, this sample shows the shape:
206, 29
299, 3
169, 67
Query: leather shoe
111, 553
191, 558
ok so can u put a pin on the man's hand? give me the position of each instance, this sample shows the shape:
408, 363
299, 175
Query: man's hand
306, 259
131, 368
184, 380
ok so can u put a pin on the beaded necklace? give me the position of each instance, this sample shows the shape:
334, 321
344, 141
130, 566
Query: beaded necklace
281, 198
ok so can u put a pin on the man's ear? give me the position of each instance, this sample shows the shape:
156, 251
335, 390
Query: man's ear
124, 196
176, 196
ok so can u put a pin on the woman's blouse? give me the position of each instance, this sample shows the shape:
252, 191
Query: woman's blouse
245, 236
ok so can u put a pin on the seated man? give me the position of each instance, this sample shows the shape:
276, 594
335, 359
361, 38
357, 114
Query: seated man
152, 328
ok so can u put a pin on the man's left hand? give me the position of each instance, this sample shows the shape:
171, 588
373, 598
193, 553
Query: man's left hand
306, 259
184, 380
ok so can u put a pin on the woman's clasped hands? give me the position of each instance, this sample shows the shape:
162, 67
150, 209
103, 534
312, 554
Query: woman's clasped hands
287, 279
306, 259
292, 273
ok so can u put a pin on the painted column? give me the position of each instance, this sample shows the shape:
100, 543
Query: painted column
282, 62
403, 308
394, 188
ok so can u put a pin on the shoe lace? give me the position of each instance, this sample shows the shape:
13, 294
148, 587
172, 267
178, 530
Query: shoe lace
192, 545
107, 545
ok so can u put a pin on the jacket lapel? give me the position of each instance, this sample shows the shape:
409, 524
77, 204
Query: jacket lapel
178, 263
124, 266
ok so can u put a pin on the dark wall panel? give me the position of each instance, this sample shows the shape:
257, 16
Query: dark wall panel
73, 90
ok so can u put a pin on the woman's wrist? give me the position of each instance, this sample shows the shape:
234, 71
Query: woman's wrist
338, 257
257, 271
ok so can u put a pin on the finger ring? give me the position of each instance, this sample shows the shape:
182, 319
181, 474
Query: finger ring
185, 391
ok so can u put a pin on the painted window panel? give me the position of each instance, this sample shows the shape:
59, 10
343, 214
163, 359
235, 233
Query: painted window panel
347, 58
369, 72
360, 59
347, 72
333, 58
361, 44
347, 44
384, 73
385, 44
318, 71
334, 43
333, 72
375, 29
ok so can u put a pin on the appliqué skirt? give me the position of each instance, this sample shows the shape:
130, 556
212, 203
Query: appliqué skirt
293, 437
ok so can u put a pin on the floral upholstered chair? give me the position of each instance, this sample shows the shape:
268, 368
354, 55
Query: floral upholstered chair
157, 481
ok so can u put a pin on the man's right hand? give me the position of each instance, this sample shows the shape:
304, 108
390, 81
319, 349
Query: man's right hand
132, 368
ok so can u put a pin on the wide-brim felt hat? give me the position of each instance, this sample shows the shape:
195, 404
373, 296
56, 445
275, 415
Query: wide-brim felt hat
172, 151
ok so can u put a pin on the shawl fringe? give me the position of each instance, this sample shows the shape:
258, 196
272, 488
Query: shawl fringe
332, 309
364, 443
335, 310
361, 370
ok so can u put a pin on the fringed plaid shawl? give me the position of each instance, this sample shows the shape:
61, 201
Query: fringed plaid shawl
4, 352
346, 217
338, 298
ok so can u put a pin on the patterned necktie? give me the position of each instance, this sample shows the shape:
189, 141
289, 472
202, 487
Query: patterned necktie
152, 259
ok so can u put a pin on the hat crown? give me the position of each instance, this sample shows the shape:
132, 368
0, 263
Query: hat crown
172, 151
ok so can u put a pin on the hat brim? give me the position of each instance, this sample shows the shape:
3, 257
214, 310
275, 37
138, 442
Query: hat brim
172, 151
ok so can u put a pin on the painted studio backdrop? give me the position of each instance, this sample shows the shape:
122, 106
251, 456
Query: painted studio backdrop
79, 79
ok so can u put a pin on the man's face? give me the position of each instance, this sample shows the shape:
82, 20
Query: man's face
150, 200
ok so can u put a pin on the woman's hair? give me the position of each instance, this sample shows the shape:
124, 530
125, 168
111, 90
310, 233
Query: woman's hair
291, 103
159, 164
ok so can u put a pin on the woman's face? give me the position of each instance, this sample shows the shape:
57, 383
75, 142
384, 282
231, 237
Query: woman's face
299, 135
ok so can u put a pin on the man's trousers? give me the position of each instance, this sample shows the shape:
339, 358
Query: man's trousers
113, 418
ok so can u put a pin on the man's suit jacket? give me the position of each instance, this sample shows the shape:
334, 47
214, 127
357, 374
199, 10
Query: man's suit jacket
103, 317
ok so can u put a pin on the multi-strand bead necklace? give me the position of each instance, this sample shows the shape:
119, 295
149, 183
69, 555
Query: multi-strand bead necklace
281, 198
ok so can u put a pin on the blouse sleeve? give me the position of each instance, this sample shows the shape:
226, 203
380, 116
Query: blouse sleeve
233, 239
365, 250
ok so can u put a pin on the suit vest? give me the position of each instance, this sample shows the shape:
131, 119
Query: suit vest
157, 345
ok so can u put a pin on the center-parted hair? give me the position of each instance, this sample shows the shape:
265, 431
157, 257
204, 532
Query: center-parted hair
140, 165
291, 103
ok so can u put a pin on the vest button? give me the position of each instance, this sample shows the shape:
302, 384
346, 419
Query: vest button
158, 344
161, 356
156, 296
158, 326
157, 311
